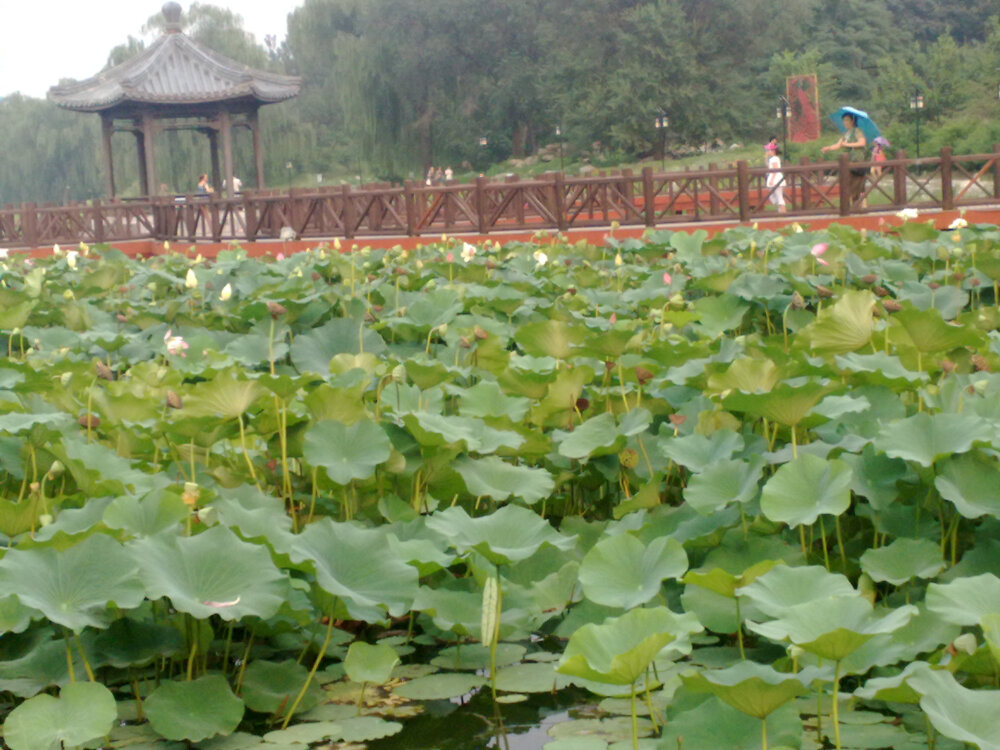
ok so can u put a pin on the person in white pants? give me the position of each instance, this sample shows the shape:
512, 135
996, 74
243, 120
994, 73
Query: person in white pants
775, 179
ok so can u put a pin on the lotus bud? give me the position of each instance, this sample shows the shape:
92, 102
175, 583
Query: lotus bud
796, 652
68, 295
191, 280
797, 302
276, 310
56, 250
442, 329
643, 375
103, 371
174, 401
866, 587
966, 643
336, 244
71, 259
823, 291
208, 515
479, 333
891, 305
618, 259
166, 247
398, 374
45, 519
191, 494
64, 378
55, 469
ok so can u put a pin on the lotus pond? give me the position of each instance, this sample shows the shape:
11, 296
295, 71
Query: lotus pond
676, 493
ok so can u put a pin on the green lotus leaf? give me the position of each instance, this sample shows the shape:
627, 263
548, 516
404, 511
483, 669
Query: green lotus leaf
194, 710
74, 587
487, 399
493, 477
534, 677
832, 628
875, 476
845, 326
128, 642
433, 430
557, 406
357, 729
598, 436
712, 725
312, 351
959, 713
212, 573
785, 404
718, 314
618, 651
17, 422
224, 396
724, 482
991, 632
724, 583
14, 616
440, 686
749, 375
699, 452
902, 560
370, 663
929, 333
805, 488
893, 689
965, 601
458, 611
885, 367
368, 585
475, 656
148, 515
926, 438
84, 711
550, 338
972, 482
99, 470
619, 571
783, 587
271, 687
507, 535
754, 689
302, 735
346, 452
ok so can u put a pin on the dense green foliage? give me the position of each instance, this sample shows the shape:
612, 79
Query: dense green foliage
748, 484
391, 86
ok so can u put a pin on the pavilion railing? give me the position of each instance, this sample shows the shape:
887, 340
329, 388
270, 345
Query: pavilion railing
487, 206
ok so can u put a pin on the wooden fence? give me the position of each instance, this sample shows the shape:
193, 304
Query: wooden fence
485, 206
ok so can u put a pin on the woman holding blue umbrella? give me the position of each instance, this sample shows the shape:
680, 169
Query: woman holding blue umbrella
854, 139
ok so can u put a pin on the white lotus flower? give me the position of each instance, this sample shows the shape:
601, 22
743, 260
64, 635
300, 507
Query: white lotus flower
226, 293
191, 281
908, 213
71, 256
541, 258
468, 252
959, 223
4, 252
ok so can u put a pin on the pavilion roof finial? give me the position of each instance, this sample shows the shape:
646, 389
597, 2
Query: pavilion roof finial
172, 13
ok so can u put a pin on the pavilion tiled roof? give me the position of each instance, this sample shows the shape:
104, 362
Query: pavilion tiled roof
174, 69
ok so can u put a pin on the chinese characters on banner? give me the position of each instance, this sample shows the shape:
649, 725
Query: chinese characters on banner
803, 111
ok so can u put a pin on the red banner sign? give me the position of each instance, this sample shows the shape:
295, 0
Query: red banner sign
803, 110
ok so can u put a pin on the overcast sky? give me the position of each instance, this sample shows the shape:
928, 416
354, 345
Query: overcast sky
46, 40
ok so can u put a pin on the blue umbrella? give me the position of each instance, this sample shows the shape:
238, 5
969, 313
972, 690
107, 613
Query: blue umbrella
869, 128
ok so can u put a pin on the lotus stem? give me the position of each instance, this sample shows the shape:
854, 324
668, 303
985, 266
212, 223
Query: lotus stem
225, 652
836, 709
763, 733
270, 346
361, 697
739, 628
193, 630
246, 455
635, 720
822, 535
243, 664
840, 544
69, 657
312, 672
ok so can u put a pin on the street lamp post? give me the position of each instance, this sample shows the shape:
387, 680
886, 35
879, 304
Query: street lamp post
917, 104
782, 114
662, 122
288, 170
483, 143
562, 166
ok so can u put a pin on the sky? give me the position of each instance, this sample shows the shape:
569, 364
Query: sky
47, 40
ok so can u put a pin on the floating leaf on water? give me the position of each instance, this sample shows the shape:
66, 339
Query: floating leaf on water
194, 710
440, 686
84, 711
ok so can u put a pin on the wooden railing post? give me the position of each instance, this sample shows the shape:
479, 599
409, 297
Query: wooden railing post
743, 189
805, 187
559, 201
481, 218
97, 219
996, 170
713, 184
947, 189
648, 197
249, 217
349, 217
844, 183
409, 201
29, 224
899, 180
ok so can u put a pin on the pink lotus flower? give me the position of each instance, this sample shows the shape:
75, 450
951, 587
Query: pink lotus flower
614, 318
817, 250
450, 257
175, 344
667, 279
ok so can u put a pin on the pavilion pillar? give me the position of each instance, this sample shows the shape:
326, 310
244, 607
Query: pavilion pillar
149, 149
107, 128
213, 145
226, 125
258, 152
140, 148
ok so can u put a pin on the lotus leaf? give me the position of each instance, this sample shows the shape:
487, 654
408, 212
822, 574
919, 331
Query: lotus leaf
619, 651
926, 438
194, 710
346, 452
492, 477
351, 564
753, 689
699, 452
713, 724
598, 436
805, 488
929, 333
965, 601
440, 686
370, 663
270, 687
845, 326
510, 534
902, 560
225, 396
212, 573
74, 587
620, 571
970, 481
84, 711
724, 482
957, 712
784, 587
433, 430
